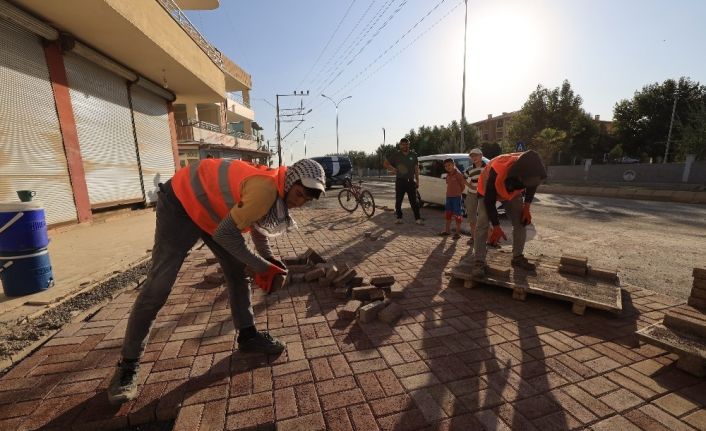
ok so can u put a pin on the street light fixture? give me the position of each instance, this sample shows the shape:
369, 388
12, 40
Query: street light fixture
336, 105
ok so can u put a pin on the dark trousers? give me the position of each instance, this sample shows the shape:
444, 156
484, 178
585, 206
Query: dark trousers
406, 186
175, 234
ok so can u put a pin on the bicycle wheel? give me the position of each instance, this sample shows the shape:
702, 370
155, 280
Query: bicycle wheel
368, 203
347, 200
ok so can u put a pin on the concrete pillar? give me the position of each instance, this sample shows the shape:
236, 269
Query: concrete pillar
192, 112
246, 97
69, 133
690, 158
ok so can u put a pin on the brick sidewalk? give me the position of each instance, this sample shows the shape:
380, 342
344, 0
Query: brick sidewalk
458, 359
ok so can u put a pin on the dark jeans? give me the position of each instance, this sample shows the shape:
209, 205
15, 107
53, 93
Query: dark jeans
406, 186
174, 236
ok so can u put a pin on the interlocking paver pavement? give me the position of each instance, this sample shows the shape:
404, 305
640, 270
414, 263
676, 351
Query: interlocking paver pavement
456, 359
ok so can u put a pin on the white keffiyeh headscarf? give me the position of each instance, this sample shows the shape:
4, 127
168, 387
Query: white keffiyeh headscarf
277, 220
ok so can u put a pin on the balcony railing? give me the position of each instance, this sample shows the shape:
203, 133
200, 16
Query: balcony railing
223, 62
238, 98
186, 133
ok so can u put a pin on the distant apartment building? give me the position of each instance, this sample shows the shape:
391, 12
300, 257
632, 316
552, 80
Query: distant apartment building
98, 96
494, 129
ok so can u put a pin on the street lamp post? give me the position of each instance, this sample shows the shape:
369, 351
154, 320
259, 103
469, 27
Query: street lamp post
336, 105
306, 130
463, 91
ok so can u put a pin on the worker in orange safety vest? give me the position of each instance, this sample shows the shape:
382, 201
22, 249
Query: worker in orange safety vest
218, 201
512, 179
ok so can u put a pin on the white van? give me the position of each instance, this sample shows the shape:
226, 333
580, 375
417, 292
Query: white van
432, 176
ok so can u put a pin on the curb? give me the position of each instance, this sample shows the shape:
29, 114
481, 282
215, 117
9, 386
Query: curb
627, 193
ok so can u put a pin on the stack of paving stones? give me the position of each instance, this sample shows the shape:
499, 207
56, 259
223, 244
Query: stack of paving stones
578, 265
366, 300
683, 330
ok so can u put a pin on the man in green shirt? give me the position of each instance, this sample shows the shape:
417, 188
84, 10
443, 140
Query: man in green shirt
405, 165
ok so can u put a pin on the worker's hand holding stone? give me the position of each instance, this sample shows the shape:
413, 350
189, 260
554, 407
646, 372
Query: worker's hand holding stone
526, 215
278, 262
496, 235
264, 279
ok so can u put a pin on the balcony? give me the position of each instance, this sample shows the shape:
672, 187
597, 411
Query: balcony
208, 133
237, 109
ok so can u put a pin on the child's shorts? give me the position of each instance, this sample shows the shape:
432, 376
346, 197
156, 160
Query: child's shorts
453, 207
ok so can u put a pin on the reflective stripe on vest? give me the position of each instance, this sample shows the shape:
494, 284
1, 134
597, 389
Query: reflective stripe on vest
501, 165
208, 189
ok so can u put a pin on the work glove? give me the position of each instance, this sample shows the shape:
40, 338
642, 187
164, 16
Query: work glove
526, 215
264, 279
275, 261
495, 235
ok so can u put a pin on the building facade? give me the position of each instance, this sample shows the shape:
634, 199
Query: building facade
89, 92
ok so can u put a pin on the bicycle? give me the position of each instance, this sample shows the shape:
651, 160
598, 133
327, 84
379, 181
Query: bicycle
351, 197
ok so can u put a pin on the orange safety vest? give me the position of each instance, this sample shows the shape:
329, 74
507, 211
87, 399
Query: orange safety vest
209, 188
501, 165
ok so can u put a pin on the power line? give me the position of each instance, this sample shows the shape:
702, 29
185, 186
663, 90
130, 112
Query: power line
389, 19
397, 54
328, 43
351, 48
338, 48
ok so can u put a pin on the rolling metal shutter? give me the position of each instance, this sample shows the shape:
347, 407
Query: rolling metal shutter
105, 134
154, 139
31, 147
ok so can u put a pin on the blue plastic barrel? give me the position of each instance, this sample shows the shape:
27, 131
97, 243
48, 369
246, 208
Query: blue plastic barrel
23, 227
26, 273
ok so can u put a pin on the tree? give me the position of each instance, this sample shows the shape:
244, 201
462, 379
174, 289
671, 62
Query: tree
548, 143
642, 123
693, 135
442, 139
558, 109
491, 150
615, 153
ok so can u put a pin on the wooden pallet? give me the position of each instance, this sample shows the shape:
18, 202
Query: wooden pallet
690, 349
582, 292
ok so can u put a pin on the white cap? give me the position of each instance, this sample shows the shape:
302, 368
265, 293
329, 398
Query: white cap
476, 151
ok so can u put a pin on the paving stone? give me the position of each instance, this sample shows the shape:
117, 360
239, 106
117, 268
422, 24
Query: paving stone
698, 303
573, 270
363, 292
350, 310
603, 274
345, 277
577, 261
383, 280
314, 274
369, 312
699, 273
331, 273
395, 291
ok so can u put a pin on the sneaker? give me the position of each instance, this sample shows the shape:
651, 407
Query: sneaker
398, 221
419, 221
444, 233
478, 270
123, 386
263, 342
522, 263
457, 235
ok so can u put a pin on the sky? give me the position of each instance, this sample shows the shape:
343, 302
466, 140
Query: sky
401, 61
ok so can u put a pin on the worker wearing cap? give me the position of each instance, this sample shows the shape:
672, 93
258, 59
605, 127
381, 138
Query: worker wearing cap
218, 201
507, 178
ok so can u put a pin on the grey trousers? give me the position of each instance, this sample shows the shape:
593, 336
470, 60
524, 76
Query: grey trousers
519, 231
471, 202
175, 235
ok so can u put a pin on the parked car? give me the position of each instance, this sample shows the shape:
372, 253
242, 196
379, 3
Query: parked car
338, 170
432, 177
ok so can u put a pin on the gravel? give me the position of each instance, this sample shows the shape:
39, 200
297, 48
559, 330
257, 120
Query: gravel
15, 336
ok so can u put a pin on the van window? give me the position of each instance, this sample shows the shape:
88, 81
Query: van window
463, 164
431, 168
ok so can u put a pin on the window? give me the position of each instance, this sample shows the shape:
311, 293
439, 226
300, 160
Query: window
463, 164
499, 124
431, 168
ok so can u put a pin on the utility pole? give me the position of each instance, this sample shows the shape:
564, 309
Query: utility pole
279, 133
336, 105
306, 130
671, 123
463, 91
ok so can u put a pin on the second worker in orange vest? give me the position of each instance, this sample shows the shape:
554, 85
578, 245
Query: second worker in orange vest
513, 179
217, 200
